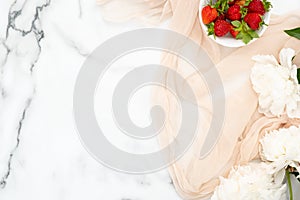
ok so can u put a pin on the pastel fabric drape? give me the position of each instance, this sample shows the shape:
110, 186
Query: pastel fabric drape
243, 126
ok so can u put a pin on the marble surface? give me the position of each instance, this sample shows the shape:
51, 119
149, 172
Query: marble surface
43, 44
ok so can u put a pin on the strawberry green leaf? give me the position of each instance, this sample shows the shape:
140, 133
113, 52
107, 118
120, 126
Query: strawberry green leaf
239, 36
236, 23
246, 34
262, 23
244, 11
267, 5
246, 38
247, 2
246, 28
222, 6
210, 28
253, 34
294, 33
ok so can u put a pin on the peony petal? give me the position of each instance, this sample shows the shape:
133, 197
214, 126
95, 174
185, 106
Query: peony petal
276, 85
251, 182
286, 55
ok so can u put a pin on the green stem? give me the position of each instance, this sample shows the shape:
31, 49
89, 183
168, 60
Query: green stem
288, 177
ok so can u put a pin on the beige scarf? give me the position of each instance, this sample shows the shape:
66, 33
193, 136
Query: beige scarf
243, 126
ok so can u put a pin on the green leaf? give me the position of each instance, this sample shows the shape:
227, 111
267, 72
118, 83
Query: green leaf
246, 38
262, 23
253, 34
246, 28
247, 2
244, 11
298, 75
246, 34
210, 28
267, 5
236, 23
239, 36
221, 5
294, 33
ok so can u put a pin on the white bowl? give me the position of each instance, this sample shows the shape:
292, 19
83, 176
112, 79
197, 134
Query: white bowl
228, 40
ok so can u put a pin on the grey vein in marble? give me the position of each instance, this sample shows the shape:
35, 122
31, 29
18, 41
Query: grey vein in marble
39, 35
4, 179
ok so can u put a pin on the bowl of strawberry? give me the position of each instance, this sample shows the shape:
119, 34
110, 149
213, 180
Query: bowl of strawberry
234, 23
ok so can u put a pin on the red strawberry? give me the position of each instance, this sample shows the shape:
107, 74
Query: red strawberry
253, 20
234, 12
221, 28
209, 14
231, 2
221, 16
256, 6
233, 32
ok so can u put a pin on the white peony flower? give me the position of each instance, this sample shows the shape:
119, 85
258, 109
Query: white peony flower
251, 182
277, 84
282, 147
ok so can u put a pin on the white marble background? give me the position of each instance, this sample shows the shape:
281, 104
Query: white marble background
43, 45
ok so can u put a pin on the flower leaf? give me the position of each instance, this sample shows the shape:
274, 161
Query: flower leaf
298, 75
294, 33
